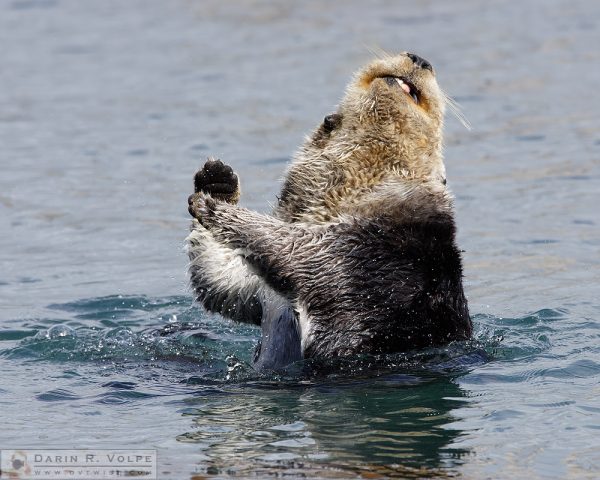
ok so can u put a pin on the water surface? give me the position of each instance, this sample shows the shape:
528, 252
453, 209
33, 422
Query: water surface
106, 110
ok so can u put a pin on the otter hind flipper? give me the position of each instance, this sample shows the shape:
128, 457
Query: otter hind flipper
280, 343
362, 244
370, 285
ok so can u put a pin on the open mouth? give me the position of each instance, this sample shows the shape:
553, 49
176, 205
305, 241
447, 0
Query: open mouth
405, 85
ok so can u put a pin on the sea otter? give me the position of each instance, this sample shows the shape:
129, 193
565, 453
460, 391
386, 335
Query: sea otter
360, 253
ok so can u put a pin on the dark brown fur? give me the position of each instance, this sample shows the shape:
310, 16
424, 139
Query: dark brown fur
360, 255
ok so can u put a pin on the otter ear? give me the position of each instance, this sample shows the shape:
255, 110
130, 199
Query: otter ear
331, 122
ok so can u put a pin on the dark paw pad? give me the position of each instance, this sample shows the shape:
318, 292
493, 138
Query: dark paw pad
217, 180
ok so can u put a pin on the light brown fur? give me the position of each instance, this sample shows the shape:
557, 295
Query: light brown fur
384, 137
375, 165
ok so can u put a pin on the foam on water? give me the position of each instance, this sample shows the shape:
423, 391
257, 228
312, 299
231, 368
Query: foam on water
116, 330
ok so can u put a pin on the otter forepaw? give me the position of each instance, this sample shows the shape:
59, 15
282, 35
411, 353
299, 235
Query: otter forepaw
202, 207
218, 180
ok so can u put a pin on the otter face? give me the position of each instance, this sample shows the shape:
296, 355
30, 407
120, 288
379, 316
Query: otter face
405, 83
398, 99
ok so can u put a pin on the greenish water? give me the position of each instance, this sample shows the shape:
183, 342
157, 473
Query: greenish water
138, 371
106, 110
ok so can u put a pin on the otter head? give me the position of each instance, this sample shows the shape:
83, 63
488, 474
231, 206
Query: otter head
394, 111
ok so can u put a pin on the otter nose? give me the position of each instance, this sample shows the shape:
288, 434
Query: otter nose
420, 61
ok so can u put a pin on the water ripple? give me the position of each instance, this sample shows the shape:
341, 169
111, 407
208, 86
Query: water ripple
57, 395
367, 408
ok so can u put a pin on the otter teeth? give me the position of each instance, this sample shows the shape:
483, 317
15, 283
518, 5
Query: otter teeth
403, 85
406, 87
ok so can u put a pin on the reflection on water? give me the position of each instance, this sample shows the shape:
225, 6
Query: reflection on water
395, 423
376, 415
185, 380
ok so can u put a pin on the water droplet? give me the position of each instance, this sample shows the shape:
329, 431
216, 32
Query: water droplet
120, 336
58, 331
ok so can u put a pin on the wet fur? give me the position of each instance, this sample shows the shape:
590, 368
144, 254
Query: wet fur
368, 285
360, 254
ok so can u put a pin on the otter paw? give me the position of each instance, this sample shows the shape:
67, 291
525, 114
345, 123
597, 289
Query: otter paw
201, 207
218, 180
